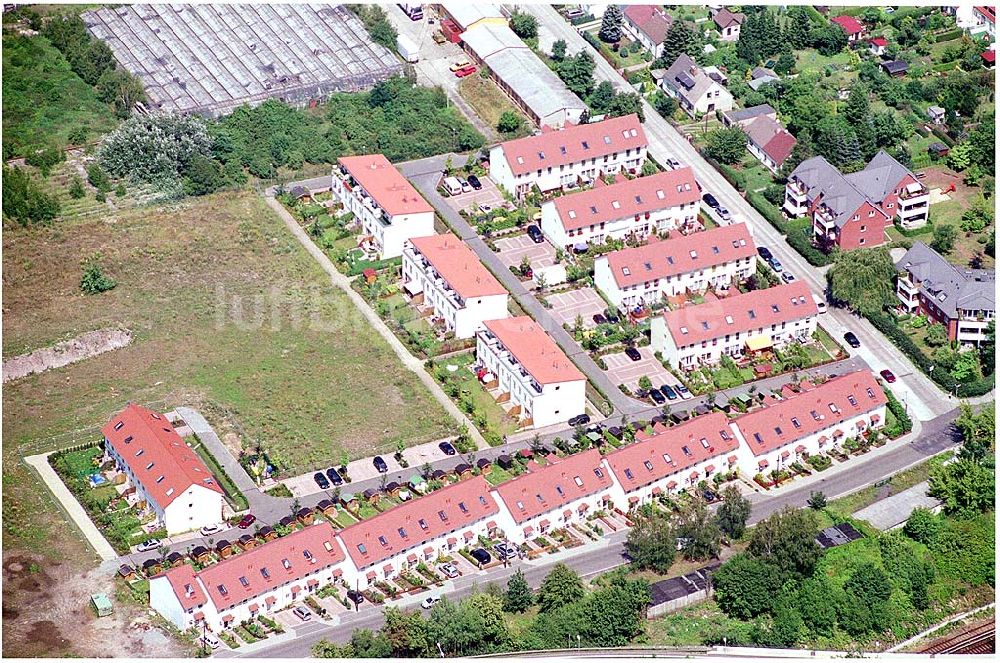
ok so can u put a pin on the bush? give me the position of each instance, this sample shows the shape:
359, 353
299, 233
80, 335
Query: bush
94, 281
24, 199
768, 211
903, 422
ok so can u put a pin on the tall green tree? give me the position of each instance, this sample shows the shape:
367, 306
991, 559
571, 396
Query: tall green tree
863, 279
733, 513
559, 50
786, 539
561, 587
746, 587
798, 27
652, 543
524, 25
858, 112
978, 431
611, 24
24, 200
965, 487
697, 531
519, 596
943, 238
679, 39
577, 72
726, 145
406, 633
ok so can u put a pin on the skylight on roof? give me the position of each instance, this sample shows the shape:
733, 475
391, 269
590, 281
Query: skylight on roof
660, 194
626, 271
607, 140
572, 214
615, 204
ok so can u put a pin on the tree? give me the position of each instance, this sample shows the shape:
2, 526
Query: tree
788, 624
698, 531
960, 157
651, 543
203, 175
611, 24
377, 23
828, 39
151, 148
978, 432
965, 487
626, 103
76, 190
519, 596
664, 104
602, 96
524, 25
785, 63
814, 604
680, 39
561, 586
746, 587
726, 145
485, 620
122, 90
94, 281
869, 584
798, 27
406, 633
937, 335
733, 513
923, 525
837, 140
24, 200
863, 279
577, 72
944, 238
510, 122
787, 540
817, 500
559, 50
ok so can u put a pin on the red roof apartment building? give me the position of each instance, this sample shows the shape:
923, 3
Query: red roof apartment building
751, 322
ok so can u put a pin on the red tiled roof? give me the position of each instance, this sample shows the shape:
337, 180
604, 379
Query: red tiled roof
779, 147
545, 489
767, 422
534, 349
651, 447
742, 313
650, 20
850, 24
159, 458
880, 41
385, 184
184, 582
574, 143
681, 254
420, 520
458, 265
724, 18
671, 188
989, 56
319, 540
988, 13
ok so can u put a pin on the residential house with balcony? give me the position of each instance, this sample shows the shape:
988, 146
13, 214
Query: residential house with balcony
642, 206
388, 208
256, 582
530, 371
810, 422
985, 22
168, 476
669, 460
850, 211
697, 90
649, 25
567, 157
642, 276
963, 300
439, 523
553, 495
756, 321
769, 142
443, 272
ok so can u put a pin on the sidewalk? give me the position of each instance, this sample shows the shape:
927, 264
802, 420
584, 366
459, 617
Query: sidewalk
71, 506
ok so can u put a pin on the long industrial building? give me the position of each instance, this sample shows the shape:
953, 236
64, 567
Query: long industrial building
209, 59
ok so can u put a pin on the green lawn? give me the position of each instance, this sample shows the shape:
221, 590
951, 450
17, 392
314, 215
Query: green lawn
498, 475
344, 519
469, 387
692, 626
810, 60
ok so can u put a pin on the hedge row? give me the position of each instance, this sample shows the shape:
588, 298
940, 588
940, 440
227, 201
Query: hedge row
768, 211
733, 176
903, 422
948, 35
886, 324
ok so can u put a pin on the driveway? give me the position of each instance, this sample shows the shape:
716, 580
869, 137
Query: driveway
470, 200
583, 302
515, 249
623, 370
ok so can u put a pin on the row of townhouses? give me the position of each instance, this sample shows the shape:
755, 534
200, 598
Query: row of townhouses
662, 461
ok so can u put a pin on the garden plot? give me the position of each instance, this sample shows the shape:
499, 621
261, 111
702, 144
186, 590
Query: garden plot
583, 302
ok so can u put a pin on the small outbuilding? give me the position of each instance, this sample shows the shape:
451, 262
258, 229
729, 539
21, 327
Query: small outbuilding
895, 68
102, 604
938, 150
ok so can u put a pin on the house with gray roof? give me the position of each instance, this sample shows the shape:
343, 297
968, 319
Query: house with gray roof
761, 76
696, 90
853, 210
963, 300
745, 116
769, 142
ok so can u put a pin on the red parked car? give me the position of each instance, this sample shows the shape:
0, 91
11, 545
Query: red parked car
247, 521
466, 71
887, 374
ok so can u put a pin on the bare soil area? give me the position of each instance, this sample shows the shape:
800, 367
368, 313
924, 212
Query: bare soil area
76, 349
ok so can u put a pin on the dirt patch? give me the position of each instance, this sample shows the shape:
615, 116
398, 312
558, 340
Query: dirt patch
76, 349
36, 587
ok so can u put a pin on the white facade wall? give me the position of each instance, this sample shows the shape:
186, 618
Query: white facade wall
193, 509
388, 232
644, 494
714, 98
782, 457
163, 600
632, 30
465, 317
554, 177
663, 220
548, 404
762, 156
514, 531
651, 292
709, 352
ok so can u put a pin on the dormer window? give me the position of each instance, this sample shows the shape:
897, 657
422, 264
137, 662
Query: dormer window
648, 464
572, 214
852, 400
615, 204
724, 434
795, 422
361, 549
694, 255
666, 457
443, 516
704, 443
128, 440
463, 508
597, 472
520, 505
777, 430
871, 394
538, 496
401, 532
686, 450
628, 474
775, 309
760, 440
119, 425
578, 481
159, 478
244, 581
265, 573
626, 271
422, 523
222, 590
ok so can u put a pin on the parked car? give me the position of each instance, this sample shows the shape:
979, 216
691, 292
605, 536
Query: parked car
657, 396
209, 530
355, 596
321, 481
820, 303
247, 521
535, 233
710, 200
612, 316
683, 391
852, 340
439, 37
633, 354
764, 253
505, 551
887, 375
599, 319
429, 602
776, 265
302, 613
481, 556
466, 187
724, 213
467, 71
580, 420
709, 495
380, 464
147, 545
447, 448
210, 640
460, 64
787, 276
475, 183
673, 163
669, 392
334, 476
448, 570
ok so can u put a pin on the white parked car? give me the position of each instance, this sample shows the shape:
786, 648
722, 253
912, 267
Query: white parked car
302, 613
429, 602
146, 546
210, 641
820, 303
209, 530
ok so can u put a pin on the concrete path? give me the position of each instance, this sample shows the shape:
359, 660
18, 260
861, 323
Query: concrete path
923, 634
408, 360
895, 510
71, 506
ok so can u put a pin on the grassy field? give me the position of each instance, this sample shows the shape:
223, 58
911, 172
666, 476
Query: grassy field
303, 373
489, 102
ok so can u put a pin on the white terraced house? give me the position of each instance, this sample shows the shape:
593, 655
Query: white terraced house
566, 157
446, 274
812, 421
644, 275
256, 582
389, 208
695, 335
640, 207
529, 370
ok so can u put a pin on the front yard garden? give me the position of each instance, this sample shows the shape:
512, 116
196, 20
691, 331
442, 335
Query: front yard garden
461, 384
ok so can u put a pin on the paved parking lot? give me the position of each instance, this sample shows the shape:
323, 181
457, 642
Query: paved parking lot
488, 195
623, 370
514, 249
464, 566
584, 302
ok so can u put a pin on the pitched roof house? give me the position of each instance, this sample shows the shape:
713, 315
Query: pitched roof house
729, 24
769, 142
697, 90
745, 116
649, 25
854, 28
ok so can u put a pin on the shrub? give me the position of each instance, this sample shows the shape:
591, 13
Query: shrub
24, 199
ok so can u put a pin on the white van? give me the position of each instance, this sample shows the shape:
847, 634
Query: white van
211, 640
453, 186
820, 303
